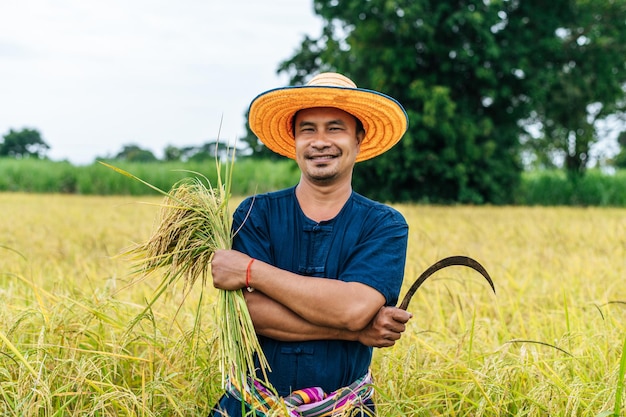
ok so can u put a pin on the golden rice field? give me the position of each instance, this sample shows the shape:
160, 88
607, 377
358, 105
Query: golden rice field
550, 343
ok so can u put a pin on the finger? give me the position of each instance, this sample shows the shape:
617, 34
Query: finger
396, 327
385, 343
393, 336
400, 315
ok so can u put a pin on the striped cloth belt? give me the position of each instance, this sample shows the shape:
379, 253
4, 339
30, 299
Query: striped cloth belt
308, 402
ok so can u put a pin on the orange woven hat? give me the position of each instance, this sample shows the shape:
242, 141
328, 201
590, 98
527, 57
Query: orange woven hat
271, 113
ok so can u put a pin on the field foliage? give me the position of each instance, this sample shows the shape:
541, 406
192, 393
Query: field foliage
550, 342
42, 176
546, 188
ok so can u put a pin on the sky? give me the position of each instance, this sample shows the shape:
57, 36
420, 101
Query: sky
93, 76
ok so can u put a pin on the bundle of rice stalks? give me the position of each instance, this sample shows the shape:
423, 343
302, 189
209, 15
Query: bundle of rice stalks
191, 227
193, 223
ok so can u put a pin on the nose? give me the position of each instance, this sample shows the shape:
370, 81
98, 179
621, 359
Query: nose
320, 141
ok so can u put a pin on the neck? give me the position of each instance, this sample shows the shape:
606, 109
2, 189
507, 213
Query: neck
321, 202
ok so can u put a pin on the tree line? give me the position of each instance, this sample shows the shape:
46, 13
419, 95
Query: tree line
490, 87
29, 143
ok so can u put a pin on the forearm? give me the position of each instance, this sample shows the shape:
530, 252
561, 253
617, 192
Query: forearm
328, 303
274, 320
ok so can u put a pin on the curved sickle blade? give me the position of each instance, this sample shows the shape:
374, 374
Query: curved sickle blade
450, 261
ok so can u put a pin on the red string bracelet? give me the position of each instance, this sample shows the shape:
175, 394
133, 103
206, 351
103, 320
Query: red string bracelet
248, 273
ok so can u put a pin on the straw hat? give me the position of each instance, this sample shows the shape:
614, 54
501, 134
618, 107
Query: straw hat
271, 113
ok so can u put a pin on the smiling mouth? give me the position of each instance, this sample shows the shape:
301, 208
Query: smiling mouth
321, 158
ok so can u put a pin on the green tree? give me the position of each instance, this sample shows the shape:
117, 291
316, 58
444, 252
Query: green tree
577, 73
441, 60
24, 143
207, 151
172, 153
620, 158
202, 153
133, 153
472, 74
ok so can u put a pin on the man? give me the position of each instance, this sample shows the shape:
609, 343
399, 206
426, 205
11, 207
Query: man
323, 264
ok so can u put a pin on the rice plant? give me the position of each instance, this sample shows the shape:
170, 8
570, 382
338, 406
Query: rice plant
551, 343
194, 222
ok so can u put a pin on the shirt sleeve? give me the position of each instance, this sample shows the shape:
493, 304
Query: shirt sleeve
250, 230
379, 257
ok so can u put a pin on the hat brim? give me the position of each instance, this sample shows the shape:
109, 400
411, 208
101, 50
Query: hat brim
384, 119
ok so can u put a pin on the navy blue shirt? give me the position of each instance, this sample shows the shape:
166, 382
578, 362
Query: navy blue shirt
366, 242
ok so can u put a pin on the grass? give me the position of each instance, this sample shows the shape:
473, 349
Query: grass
43, 176
552, 342
551, 188
542, 187
194, 223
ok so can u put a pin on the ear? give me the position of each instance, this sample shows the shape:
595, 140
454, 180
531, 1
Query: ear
359, 139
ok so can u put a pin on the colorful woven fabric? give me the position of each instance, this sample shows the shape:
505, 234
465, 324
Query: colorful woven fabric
308, 402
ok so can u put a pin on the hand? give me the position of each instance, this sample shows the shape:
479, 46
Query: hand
385, 328
228, 268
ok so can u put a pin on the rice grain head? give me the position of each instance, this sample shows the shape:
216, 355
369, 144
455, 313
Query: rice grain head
191, 227
194, 222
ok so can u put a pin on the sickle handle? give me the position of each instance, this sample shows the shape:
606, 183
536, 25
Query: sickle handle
450, 261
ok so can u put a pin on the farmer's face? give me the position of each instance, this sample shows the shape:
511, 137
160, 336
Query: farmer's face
327, 143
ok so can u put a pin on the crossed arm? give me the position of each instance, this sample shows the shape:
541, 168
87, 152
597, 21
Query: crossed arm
291, 307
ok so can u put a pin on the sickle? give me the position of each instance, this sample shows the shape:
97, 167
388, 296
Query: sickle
450, 261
